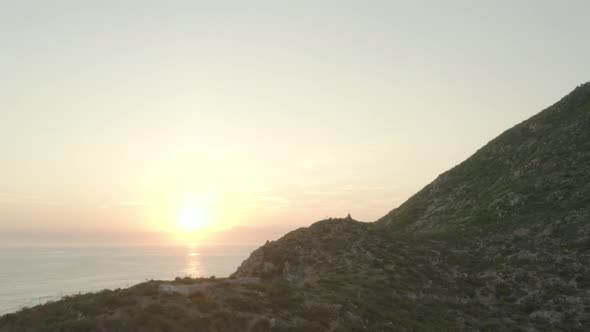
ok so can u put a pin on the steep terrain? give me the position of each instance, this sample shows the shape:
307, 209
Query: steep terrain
500, 242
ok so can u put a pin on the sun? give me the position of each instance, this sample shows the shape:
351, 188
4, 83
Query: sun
193, 217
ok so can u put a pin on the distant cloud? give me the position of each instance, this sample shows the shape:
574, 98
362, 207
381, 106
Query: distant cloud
267, 202
261, 189
326, 190
123, 204
11, 198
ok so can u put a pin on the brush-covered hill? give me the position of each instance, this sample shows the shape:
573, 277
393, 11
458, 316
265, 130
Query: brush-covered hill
534, 174
501, 242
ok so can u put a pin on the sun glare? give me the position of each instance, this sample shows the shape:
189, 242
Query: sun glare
193, 217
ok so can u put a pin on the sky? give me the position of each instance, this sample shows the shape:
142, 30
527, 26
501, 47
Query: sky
122, 117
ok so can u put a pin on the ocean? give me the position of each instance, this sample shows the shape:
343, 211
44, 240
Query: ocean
35, 275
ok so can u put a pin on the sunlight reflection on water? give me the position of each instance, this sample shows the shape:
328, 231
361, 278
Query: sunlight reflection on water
193, 263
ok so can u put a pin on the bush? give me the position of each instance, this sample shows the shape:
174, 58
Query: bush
245, 304
202, 302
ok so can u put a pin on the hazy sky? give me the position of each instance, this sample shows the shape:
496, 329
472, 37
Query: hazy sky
114, 114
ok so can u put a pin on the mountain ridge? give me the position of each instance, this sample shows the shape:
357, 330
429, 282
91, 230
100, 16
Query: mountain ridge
499, 242
513, 214
535, 125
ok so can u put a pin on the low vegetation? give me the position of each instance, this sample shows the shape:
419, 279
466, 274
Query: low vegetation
499, 243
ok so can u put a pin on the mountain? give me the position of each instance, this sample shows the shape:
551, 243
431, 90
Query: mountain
499, 242
532, 175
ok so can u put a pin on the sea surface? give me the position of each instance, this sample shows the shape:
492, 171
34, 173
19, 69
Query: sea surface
31, 276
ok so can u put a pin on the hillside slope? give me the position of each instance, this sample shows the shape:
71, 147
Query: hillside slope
535, 173
499, 242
